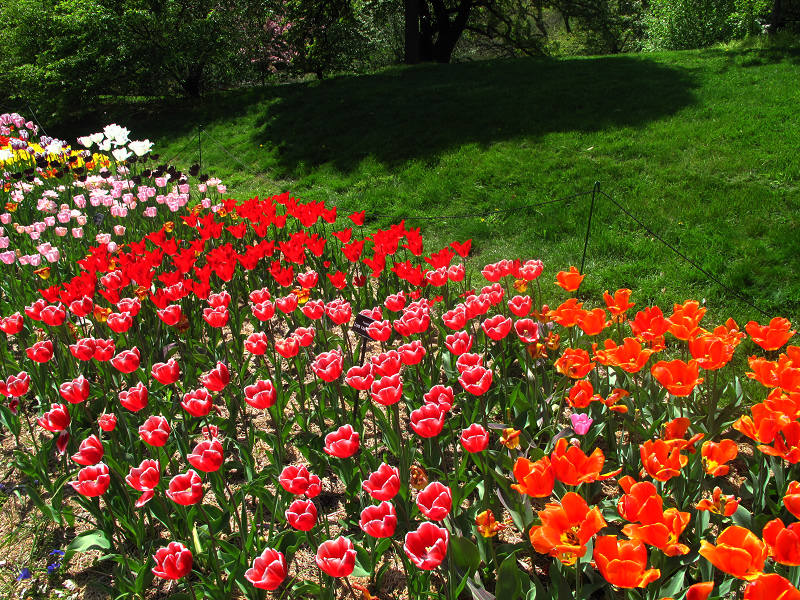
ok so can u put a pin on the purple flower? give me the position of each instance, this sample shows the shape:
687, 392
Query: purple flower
580, 423
25, 573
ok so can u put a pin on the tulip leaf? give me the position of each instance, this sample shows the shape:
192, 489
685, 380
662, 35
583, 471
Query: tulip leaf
742, 517
363, 562
674, 585
509, 586
465, 554
477, 590
89, 540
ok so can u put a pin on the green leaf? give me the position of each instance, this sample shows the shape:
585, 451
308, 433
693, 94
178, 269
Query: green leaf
364, 562
90, 540
465, 554
674, 585
509, 586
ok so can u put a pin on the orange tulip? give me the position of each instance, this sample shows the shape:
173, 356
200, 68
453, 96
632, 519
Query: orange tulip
772, 336
791, 500
661, 460
784, 404
715, 455
593, 321
663, 533
572, 467
786, 443
771, 587
719, 504
510, 438
764, 424
675, 434
739, 552
535, 479
700, 591
639, 500
710, 352
623, 563
649, 325
630, 357
612, 402
783, 543
764, 371
684, 322
574, 363
619, 303
569, 280
567, 313
566, 528
677, 377
582, 394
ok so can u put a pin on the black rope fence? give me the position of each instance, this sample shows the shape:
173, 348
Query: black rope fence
594, 195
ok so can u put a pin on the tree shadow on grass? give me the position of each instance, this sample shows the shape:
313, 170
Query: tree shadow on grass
420, 112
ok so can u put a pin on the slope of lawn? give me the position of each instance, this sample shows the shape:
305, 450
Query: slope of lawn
701, 146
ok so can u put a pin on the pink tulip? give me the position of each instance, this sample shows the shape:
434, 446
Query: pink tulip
580, 423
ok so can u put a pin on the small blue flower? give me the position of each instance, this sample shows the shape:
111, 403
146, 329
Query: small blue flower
53, 568
56, 553
24, 574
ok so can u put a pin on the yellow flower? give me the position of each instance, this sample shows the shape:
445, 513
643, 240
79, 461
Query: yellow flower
43, 272
303, 294
510, 438
169, 226
521, 285
11, 206
487, 524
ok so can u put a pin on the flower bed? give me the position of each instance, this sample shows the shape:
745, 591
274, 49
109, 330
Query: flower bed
254, 380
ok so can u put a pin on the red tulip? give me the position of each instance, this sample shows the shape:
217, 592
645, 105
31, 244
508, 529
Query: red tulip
83, 349
170, 315
428, 420
40, 352
380, 331
459, 343
339, 311
197, 402
287, 304
172, 562
56, 419
92, 481
476, 380
268, 570
90, 452
342, 443
61, 442
134, 398
313, 309
126, 361
455, 318
256, 343
783, 543
411, 353
328, 365
297, 481
527, 330
435, 501
468, 360
186, 488
440, 395
288, 348
220, 299
104, 350
395, 302
427, 546
304, 336
216, 317
144, 478
17, 385
155, 431
263, 311
475, 438
11, 325
359, 377
387, 390
337, 557
496, 327
386, 364
260, 395
207, 456
166, 373
82, 307
217, 378
53, 315
520, 305
119, 322
477, 306
379, 521
383, 484
107, 422
302, 515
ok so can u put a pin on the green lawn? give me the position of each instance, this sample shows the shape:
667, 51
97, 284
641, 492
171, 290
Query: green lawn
702, 146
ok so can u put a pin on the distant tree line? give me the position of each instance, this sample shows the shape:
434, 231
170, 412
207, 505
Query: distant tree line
60, 55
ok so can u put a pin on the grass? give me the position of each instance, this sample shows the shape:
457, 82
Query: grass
701, 146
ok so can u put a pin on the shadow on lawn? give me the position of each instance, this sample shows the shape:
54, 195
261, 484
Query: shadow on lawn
418, 113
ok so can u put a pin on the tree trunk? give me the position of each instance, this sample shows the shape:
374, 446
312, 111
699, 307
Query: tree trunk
412, 37
775, 17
